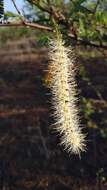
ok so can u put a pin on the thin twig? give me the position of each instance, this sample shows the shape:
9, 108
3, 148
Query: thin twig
96, 6
16, 7
18, 11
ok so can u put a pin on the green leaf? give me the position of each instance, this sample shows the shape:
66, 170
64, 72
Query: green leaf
82, 30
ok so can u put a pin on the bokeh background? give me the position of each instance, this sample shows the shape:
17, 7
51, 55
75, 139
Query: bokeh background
30, 155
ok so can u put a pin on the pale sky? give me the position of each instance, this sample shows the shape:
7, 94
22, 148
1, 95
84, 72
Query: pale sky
9, 5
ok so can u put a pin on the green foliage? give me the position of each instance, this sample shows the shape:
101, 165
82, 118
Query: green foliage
89, 17
9, 16
43, 40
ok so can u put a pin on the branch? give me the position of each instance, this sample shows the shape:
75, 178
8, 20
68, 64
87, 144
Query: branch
60, 18
36, 3
51, 10
27, 24
96, 6
18, 11
24, 21
79, 41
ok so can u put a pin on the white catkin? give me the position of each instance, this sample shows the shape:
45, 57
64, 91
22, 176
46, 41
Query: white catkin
63, 87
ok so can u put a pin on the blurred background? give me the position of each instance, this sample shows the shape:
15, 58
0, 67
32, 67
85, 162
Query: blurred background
30, 155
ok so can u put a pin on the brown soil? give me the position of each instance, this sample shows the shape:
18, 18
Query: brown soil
30, 157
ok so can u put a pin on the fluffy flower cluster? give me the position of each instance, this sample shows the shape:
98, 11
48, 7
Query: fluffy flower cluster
63, 87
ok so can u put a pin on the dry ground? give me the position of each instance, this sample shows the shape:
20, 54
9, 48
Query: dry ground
30, 157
